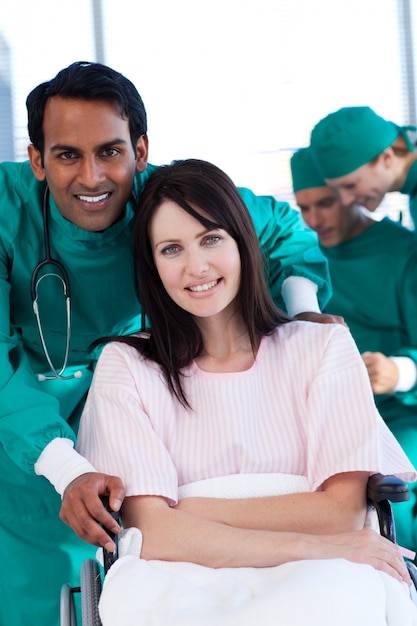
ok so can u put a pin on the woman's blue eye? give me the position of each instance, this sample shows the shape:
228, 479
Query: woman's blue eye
212, 239
170, 250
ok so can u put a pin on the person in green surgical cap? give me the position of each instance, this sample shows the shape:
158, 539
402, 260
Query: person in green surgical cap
364, 156
373, 269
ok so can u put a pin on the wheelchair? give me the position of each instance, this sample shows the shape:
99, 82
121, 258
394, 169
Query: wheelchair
90, 584
381, 490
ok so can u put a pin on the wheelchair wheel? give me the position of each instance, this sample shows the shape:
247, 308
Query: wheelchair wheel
412, 570
90, 593
67, 607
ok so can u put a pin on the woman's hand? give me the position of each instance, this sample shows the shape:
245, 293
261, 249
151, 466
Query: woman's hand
367, 546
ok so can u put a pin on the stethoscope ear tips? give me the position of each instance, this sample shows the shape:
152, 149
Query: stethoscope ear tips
42, 377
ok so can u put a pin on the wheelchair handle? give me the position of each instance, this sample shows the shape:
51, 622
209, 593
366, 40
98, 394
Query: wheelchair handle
110, 557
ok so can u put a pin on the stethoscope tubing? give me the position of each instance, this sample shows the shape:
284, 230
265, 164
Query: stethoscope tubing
48, 260
34, 284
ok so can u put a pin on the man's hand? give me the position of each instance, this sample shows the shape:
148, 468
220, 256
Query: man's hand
83, 510
382, 372
321, 318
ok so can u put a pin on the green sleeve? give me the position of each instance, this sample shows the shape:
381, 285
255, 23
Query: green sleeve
289, 247
29, 417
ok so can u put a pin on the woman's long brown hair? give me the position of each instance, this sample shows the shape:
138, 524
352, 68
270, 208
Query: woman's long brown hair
174, 337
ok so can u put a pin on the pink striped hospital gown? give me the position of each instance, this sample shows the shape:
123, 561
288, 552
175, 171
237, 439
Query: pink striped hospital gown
305, 407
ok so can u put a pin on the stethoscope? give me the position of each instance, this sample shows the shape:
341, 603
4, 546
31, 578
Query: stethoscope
34, 284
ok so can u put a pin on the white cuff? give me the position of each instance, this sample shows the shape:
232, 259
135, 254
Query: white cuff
61, 464
300, 295
407, 373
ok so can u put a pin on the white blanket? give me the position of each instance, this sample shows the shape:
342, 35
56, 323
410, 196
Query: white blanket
303, 593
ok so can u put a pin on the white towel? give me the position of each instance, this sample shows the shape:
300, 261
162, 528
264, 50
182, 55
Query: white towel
245, 486
303, 593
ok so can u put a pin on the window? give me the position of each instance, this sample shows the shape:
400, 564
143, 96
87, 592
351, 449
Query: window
236, 82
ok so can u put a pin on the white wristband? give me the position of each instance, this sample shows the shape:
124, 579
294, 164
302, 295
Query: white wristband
300, 295
407, 373
61, 464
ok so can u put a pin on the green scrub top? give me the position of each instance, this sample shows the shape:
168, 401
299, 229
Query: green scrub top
44, 552
374, 278
410, 188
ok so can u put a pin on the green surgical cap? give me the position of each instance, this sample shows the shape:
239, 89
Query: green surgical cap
304, 171
349, 138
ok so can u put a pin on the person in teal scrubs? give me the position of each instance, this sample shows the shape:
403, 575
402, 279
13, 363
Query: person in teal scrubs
363, 156
373, 269
89, 147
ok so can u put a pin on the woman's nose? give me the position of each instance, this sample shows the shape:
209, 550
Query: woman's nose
197, 262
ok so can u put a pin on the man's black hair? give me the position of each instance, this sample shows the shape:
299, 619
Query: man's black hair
87, 81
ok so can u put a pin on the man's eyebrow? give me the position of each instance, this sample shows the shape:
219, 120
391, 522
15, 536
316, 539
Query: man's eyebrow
61, 147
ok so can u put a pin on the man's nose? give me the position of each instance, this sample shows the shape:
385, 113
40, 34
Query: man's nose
91, 172
346, 197
312, 218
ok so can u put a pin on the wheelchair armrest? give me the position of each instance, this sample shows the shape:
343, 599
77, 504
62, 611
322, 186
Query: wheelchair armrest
391, 488
110, 557
381, 490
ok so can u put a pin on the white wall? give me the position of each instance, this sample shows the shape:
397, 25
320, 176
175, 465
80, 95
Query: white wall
236, 82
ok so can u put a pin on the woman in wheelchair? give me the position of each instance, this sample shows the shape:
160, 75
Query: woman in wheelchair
244, 439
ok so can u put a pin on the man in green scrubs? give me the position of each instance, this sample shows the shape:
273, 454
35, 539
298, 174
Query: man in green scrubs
373, 269
89, 145
363, 156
